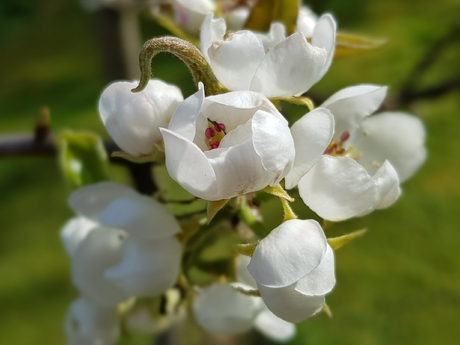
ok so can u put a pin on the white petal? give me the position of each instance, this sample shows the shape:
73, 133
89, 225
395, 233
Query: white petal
189, 14
321, 280
290, 68
100, 250
220, 309
140, 216
273, 143
289, 304
211, 30
306, 21
238, 107
236, 18
394, 136
133, 119
312, 134
89, 324
238, 169
338, 188
288, 253
273, 327
350, 105
91, 200
148, 268
189, 167
324, 37
242, 273
75, 231
388, 185
183, 121
275, 35
235, 60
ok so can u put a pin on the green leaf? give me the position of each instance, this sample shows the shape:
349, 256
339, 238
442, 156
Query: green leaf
267, 11
82, 157
337, 242
348, 44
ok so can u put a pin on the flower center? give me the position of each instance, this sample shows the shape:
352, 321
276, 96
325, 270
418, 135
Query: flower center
336, 148
214, 134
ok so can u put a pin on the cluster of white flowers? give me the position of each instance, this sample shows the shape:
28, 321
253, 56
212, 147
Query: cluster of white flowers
344, 163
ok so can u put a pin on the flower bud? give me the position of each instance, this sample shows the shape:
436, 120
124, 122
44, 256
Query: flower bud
133, 119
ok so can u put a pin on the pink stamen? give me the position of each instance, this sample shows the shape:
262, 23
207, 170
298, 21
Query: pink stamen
214, 144
220, 127
209, 132
345, 135
341, 151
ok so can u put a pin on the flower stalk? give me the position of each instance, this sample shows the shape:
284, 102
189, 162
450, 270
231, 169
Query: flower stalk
187, 53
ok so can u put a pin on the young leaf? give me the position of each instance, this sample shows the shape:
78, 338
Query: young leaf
82, 157
348, 44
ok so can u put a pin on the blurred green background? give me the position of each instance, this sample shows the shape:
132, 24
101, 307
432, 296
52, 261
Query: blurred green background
399, 284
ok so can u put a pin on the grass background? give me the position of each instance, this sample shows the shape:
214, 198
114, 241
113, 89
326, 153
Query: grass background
399, 284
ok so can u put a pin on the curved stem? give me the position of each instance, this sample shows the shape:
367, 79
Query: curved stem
185, 51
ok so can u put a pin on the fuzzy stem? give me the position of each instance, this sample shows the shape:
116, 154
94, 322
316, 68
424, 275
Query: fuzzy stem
185, 51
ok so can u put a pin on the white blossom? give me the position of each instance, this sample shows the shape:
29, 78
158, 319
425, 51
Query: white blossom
189, 14
227, 145
133, 119
270, 64
306, 21
367, 158
89, 324
266, 322
294, 269
220, 309
131, 250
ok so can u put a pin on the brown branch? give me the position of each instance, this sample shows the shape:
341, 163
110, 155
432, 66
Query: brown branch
430, 92
32, 145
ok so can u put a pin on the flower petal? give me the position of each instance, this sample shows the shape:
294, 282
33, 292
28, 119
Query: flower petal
312, 134
88, 324
238, 168
91, 200
388, 185
242, 273
289, 68
148, 268
236, 108
189, 14
306, 21
75, 231
183, 121
235, 60
289, 304
338, 188
394, 136
100, 250
220, 309
211, 30
189, 167
140, 216
133, 119
288, 253
324, 37
273, 327
273, 143
352, 104
321, 280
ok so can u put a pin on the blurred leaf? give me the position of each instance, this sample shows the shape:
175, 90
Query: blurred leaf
267, 11
83, 158
348, 44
